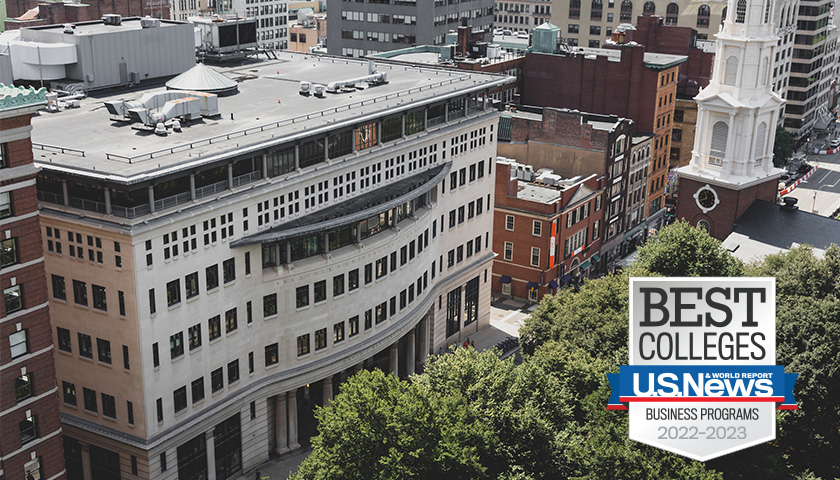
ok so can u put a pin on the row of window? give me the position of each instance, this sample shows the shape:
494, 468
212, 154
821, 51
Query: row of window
191, 282
456, 255
85, 346
98, 297
76, 246
91, 402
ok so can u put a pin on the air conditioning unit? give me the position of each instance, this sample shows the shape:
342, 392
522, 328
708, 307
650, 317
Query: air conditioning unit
112, 19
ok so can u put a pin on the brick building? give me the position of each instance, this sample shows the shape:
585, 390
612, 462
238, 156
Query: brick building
31, 439
547, 229
574, 144
622, 80
23, 13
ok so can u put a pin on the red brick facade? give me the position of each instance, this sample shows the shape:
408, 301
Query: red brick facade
733, 203
33, 360
553, 217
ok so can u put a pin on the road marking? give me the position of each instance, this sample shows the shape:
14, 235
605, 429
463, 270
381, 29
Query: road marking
825, 176
510, 316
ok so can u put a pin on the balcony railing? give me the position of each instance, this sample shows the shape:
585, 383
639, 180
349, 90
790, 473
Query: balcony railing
130, 212
246, 178
211, 189
90, 205
172, 201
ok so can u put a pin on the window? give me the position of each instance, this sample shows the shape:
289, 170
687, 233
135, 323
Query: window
537, 229
338, 332
69, 390
99, 299
179, 398
194, 334
717, 152
129, 407
217, 380
354, 325
271, 355
508, 251
18, 343
80, 292
368, 273
704, 12
740, 11
320, 339
453, 312
64, 340
338, 285
535, 257
163, 461
229, 270
509, 222
5, 204
8, 252
270, 305
302, 296
23, 387
103, 350
14, 298
211, 275
90, 400
152, 307
197, 388
121, 302
159, 405
191, 284
230, 320
320, 291
28, 430
471, 301
173, 292
250, 362
214, 327
303, 344
109, 406
58, 288
381, 312
155, 355
247, 263
176, 345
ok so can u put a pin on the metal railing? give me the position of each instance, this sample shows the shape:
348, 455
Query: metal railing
211, 189
50, 197
172, 201
130, 212
246, 178
89, 205
54, 148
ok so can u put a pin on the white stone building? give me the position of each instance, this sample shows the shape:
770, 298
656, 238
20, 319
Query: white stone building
212, 285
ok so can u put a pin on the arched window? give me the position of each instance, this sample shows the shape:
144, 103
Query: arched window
723, 15
730, 73
574, 9
704, 225
741, 11
649, 8
671, 14
626, 14
767, 11
703, 14
596, 10
720, 133
760, 140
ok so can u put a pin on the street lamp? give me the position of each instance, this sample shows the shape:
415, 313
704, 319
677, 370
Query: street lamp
814, 204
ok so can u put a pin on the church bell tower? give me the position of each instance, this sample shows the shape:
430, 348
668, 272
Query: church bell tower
732, 160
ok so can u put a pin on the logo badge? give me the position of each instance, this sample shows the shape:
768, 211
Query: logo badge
702, 380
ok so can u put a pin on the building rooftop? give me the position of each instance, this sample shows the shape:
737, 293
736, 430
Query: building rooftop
268, 110
97, 27
767, 228
653, 60
12, 97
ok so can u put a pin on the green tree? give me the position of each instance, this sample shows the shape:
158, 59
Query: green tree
680, 250
783, 147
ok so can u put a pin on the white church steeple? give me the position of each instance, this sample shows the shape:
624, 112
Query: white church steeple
738, 111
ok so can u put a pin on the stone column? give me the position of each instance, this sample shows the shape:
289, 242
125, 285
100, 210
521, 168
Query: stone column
297, 157
280, 428
291, 399
152, 198
192, 186
409, 353
211, 455
107, 192
86, 473
265, 165
230, 176
64, 193
328, 390
394, 359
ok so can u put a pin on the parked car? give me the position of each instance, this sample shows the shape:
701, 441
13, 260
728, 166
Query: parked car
835, 143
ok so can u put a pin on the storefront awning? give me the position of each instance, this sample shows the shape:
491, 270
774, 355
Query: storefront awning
553, 284
505, 279
585, 265
596, 258
565, 278
532, 285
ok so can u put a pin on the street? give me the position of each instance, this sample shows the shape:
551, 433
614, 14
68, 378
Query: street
820, 194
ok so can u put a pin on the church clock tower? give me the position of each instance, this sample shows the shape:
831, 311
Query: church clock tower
732, 160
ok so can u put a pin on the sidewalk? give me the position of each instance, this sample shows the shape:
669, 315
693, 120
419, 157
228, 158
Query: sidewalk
505, 319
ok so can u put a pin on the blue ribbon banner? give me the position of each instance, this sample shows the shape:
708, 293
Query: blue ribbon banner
703, 383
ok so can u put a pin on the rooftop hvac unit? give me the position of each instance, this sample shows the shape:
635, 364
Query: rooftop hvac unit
149, 22
111, 19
